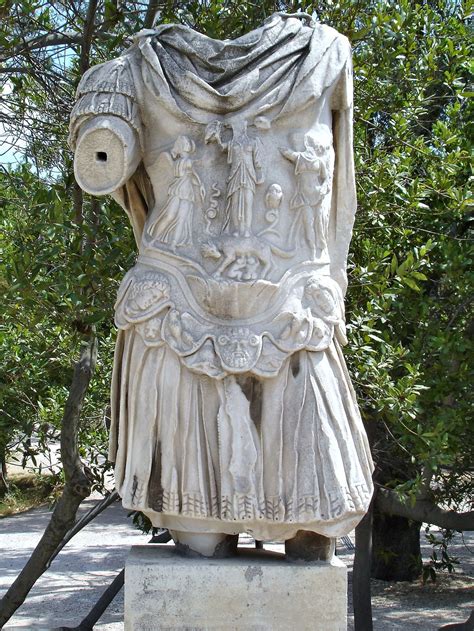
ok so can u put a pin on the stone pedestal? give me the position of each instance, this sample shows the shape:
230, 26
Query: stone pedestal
256, 590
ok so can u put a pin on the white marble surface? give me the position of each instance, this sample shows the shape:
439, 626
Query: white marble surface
232, 408
257, 590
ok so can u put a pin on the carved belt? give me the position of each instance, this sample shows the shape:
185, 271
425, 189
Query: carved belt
219, 327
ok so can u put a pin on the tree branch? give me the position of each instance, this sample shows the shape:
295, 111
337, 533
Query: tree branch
423, 510
150, 13
84, 521
101, 605
50, 39
72, 465
87, 36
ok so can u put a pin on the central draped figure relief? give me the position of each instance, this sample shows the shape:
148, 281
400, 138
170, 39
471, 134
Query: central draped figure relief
245, 173
232, 408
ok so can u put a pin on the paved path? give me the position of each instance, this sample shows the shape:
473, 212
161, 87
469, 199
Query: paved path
67, 591
78, 575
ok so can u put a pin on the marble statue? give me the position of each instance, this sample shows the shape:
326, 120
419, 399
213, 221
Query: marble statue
232, 408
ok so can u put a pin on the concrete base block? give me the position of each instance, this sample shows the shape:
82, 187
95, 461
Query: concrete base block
256, 590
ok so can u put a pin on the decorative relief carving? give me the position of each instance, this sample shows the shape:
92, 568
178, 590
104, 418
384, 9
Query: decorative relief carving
245, 174
272, 202
176, 333
312, 185
246, 507
308, 321
150, 331
141, 296
212, 211
240, 258
238, 348
174, 222
146, 292
228, 300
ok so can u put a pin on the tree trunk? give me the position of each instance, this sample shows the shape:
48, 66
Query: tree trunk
3, 473
396, 554
361, 595
423, 509
77, 487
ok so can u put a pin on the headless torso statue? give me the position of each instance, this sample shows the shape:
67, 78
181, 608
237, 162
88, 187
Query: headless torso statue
232, 408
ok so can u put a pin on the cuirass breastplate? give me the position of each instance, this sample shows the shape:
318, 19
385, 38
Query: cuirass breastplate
243, 249
229, 273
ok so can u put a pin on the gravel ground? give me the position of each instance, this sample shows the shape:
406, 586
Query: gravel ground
67, 591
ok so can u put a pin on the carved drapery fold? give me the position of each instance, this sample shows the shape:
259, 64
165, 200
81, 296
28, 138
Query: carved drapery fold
106, 89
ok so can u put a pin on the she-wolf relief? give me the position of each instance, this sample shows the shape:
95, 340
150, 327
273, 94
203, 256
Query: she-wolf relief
242, 259
174, 222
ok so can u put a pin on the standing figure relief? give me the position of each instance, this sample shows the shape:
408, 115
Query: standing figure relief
174, 222
312, 184
245, 160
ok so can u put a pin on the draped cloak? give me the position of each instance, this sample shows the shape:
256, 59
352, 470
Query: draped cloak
232, 408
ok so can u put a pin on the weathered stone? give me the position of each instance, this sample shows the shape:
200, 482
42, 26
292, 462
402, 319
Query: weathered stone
309, 546
255, 590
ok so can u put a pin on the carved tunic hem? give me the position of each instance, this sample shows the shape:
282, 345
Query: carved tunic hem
289, 450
